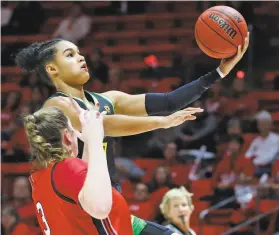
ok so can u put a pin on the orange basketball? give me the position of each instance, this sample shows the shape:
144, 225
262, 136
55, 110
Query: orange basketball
219, 31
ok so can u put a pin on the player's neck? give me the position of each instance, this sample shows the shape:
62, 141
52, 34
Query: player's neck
77, 91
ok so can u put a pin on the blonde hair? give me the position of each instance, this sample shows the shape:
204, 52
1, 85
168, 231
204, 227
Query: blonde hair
43, 129
174, 193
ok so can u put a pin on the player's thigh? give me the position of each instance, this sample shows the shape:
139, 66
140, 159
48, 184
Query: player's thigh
155, 229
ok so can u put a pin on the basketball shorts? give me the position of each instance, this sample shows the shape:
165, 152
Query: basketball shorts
142, 227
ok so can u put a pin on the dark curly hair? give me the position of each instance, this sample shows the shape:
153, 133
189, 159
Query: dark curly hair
34, 57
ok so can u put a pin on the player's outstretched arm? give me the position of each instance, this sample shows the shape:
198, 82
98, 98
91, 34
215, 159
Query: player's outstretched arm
95, 196
158, 103
123, 125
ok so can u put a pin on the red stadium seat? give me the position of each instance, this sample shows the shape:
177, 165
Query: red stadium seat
167, 84
150, 163
179, 174
267, 205
211, 229
248, 138
201, 187
275, 116
199, 206
15, 168
143, 210
265, 95
157, 196
275, 167
127, 189
7, 87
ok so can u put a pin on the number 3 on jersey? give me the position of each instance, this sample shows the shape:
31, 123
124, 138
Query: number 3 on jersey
41, 211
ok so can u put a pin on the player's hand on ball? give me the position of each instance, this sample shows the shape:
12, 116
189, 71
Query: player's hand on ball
179, 117
228, 64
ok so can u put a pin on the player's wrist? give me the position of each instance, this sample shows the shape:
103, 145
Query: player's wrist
221, 71
161, 122
94, 143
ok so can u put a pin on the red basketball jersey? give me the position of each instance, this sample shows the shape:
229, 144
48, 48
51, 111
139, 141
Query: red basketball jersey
55, 194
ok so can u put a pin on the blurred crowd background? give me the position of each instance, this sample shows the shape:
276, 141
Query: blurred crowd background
229, 153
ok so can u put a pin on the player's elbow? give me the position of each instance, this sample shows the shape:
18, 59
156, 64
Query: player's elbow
97, 208
99, 211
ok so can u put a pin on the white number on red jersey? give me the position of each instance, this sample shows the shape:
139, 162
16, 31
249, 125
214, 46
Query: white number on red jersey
39, 207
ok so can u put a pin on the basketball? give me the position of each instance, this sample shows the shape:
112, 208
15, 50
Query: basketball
219, 31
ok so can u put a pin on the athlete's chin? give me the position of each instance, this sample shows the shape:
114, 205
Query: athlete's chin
83, 77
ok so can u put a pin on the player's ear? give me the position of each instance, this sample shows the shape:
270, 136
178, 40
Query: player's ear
66, 137
51, 69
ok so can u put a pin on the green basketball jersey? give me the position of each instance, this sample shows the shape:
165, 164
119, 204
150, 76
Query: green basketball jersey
105, 104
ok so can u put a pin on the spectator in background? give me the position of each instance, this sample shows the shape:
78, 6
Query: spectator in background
234, 127
216, 100
30, 84
38, 96
121, 8
240, 104
21, 23
177, 208
25, 109
98, 69
126, 168
9, 109
265, 147
17, 149
129, 7
192, 135
161, 179
157, 142
5, 138
11, 102
75, 26
231, 169
6, 13
170, 154
12, 223
177, 65
276, 82
29, 80
274, 180
21, 192
114, 79
239, 89
27, 18
140, 206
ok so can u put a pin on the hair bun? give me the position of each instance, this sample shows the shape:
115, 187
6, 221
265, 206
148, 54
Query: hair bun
27, 59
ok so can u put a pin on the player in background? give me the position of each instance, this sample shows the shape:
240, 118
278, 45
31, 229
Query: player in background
71, 195
60, 62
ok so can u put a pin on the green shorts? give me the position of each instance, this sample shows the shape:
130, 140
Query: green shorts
138, 225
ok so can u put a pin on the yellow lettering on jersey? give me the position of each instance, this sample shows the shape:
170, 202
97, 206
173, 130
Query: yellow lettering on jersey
105, 145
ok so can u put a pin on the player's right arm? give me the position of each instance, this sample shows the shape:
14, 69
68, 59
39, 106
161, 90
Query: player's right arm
88, 185
122, 125
95, 197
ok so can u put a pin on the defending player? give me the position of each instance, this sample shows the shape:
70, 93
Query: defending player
68, 193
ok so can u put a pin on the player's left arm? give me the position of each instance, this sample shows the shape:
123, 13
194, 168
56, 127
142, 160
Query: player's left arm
165, 103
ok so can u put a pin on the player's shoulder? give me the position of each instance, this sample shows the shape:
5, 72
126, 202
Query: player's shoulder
70, 165
58, 99
72, 162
